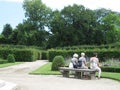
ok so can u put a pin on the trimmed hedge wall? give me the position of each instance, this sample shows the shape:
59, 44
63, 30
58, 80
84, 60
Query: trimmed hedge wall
103, 54
111, 69
26, 55
4, 52
44, 55
21, 54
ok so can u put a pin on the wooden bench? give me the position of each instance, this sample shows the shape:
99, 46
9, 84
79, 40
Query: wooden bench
78, 72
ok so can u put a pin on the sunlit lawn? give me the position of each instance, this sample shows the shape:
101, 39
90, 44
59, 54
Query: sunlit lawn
115, 76
46, 70
9, 64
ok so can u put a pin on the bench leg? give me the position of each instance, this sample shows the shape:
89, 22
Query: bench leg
92, 75
65, 73
78, 75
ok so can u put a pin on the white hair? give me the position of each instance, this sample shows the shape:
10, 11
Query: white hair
82, 54
75, 55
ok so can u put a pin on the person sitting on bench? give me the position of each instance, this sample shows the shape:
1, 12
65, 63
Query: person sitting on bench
94, 64
74, 61
82, 62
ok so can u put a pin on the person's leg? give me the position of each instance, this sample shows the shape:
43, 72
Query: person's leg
99, 71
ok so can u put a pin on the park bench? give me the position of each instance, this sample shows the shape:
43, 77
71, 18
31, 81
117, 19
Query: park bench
78, 72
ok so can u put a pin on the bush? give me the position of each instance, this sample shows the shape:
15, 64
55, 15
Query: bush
11, 58
2, 61
58, 61
21, 54
44, 55
26, 55
111, 69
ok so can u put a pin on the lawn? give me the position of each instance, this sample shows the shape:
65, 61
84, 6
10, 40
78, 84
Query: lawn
115, 76
9, 64
46, 70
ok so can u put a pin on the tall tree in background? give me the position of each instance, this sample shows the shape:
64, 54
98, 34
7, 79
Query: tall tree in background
111, 22
107, 23
74, 25
37, 13
37, 20
7, 31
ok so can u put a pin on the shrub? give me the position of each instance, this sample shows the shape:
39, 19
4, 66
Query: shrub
11, 58
58, 61
2, 61
26, 55
44, 55
111, 69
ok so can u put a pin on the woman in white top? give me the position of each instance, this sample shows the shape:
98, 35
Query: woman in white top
94, 64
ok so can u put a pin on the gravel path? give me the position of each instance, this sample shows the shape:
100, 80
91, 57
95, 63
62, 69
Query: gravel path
19, 74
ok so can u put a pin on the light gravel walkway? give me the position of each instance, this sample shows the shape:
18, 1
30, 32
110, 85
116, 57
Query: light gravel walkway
19, 74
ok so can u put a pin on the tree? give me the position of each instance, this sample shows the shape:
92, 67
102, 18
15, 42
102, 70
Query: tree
37, 13
73, 25
7, 31
107, 23
111, 22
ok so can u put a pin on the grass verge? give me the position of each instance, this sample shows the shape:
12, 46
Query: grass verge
110, 75
46, 70
9, 64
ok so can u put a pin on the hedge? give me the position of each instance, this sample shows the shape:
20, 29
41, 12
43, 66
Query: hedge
21, 54
103, 54
111, 69
44, 55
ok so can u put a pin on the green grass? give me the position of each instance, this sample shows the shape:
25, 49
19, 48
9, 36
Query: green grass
9, 64
46, 70
110, 75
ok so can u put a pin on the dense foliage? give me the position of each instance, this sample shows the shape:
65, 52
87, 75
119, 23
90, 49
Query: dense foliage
111, 69
103, 54
2, 61
71, 26
21, 54
58, 61
11, 58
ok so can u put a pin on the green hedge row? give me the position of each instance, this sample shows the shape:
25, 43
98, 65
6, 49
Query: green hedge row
21, 54
2, 61
107, 46
111, 69
103, 54
44, 55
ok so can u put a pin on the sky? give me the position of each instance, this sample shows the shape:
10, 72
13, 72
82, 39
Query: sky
11, 11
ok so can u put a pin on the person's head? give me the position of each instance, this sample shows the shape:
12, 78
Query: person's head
82, 54
94, 54
75, 55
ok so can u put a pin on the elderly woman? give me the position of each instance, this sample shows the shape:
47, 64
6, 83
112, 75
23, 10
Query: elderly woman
74, 61
82, 61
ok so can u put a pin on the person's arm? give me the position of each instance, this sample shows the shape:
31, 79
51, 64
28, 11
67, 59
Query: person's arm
85, 62
91, 62
98, 63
